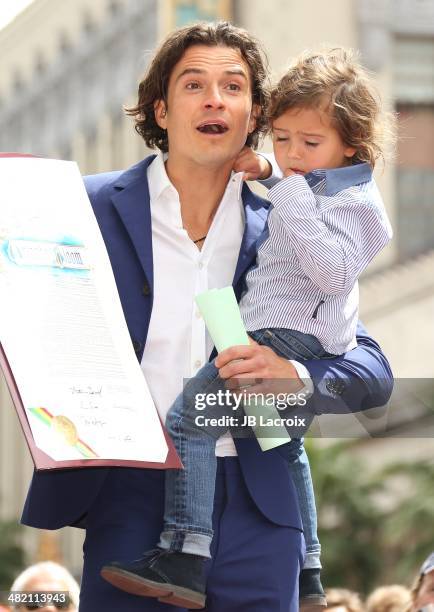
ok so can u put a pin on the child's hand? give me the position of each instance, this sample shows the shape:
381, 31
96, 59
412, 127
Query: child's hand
253, 165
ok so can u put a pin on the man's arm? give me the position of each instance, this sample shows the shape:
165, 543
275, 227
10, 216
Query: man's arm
356, 381
359, 380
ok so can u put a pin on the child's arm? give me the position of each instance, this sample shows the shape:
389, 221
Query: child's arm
276, 173
333, 246
258, 167
261, 167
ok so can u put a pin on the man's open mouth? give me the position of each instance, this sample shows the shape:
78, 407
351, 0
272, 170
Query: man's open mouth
212, 128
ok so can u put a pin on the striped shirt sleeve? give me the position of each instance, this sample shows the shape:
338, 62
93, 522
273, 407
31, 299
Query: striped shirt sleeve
334, 237
276, 173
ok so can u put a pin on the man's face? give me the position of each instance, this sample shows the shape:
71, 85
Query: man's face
304, 139
209, 111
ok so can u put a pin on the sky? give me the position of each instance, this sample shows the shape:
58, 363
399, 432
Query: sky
10, 8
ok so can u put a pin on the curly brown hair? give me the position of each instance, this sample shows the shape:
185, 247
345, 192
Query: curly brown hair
334, 81
344, 598
154, 84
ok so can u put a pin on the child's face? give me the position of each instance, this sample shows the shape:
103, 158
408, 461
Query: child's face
305, 140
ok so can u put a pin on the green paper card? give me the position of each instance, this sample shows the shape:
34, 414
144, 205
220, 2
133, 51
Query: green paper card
222, 316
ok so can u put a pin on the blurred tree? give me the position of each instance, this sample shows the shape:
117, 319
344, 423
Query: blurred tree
12, 558
349, 520
409, 531
376, 527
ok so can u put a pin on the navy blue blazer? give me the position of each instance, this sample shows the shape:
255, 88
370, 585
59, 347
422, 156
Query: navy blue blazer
121, 204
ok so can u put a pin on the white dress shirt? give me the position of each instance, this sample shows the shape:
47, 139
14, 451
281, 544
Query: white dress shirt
178, 344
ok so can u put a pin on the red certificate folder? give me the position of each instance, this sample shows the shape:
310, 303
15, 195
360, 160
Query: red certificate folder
41, 460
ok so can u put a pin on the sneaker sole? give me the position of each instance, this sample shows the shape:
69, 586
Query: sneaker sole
166, 593
313, 603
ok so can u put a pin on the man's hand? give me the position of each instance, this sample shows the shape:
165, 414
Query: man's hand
259, 366
253, 165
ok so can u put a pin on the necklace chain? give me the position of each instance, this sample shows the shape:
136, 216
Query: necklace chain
200, 239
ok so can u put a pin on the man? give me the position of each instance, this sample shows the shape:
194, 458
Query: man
174, 226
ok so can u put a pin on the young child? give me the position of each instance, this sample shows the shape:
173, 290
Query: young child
326, 223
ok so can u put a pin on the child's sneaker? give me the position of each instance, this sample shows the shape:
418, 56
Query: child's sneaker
311, 592
172, 577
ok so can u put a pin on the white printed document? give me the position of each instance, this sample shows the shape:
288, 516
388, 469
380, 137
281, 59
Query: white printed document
61, 322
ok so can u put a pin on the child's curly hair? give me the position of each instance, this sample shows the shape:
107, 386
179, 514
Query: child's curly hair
335, 82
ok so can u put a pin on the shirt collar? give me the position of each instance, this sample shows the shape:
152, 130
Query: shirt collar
337, 179
236, 184
158, 179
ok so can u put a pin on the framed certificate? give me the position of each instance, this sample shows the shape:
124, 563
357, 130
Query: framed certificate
79, 392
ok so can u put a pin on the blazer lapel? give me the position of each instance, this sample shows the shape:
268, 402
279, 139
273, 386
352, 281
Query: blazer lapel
132, 203
256, 212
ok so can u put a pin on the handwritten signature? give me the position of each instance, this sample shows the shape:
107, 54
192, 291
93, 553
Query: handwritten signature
85, 390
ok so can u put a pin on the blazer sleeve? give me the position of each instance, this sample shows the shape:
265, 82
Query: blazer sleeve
358, 380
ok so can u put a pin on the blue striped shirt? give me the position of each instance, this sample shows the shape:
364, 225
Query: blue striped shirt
324, 229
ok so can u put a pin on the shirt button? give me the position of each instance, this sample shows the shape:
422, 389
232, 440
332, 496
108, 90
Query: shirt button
197, 363
198, 315
146, 290
137, 346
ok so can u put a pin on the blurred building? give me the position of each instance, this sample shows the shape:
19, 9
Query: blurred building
67, 68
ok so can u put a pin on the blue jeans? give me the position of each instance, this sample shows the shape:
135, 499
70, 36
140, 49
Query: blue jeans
190, 492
